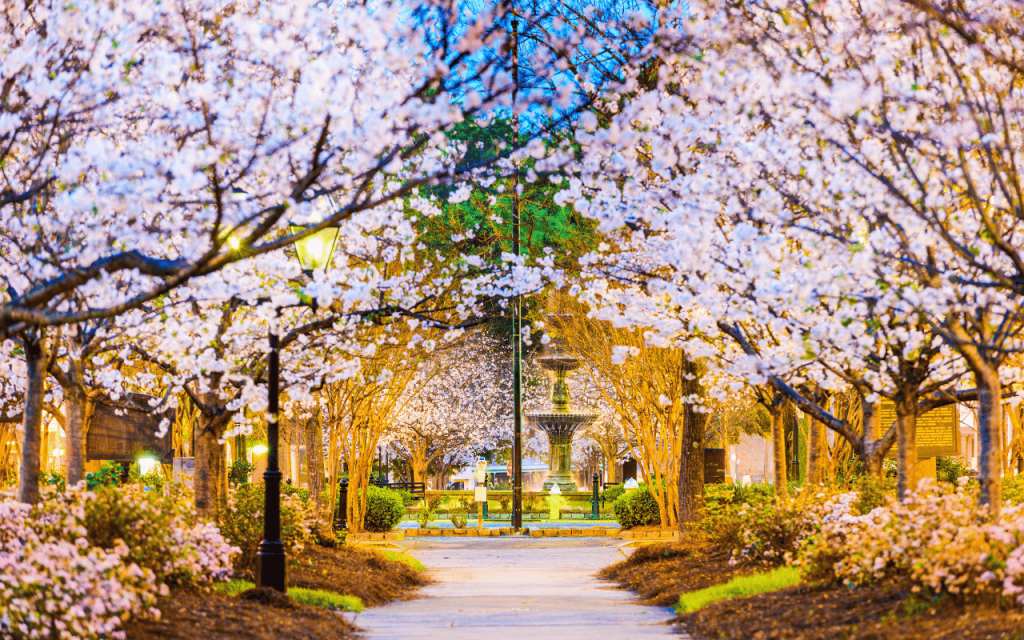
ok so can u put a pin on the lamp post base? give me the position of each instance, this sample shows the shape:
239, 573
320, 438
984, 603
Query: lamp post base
271, 567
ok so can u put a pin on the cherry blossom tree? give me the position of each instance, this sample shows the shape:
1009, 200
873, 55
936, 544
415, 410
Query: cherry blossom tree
459, 400
828, 158
177, 140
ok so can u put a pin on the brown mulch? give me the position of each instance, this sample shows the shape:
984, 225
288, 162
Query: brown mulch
269, 615
215, 616
660, 572
811, 612
355, 572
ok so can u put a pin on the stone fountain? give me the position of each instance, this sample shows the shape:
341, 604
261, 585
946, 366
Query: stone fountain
560, 424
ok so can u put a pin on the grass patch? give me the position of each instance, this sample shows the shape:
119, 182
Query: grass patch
738, 587
313, 597
233, 587
326, 599
404, 558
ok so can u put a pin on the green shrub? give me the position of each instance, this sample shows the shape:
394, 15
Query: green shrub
612, 493
56, 479
637, 508
291, 490
950, 469
752, 494
240, 471
109, 475
406, 496
424, 516
534, 502
384, 509
871, 494
1013, 488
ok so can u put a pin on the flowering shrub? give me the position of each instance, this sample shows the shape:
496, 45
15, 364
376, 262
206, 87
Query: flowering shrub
767, 532
160, 534
69, 591
241, 522
77, 563
936, 541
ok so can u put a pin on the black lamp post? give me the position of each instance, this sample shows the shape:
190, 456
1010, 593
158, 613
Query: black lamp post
314, 252
517, 338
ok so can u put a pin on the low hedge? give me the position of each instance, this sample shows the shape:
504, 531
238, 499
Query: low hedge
384, 509
637, 508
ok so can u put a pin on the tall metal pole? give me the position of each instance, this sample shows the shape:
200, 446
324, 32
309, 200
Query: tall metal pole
270, 565
517, 338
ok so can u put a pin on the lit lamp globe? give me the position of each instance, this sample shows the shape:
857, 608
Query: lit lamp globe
315, 250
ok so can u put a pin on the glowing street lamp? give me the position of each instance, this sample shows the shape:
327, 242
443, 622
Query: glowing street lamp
314, 252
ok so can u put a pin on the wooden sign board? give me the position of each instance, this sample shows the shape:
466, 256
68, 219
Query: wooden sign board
938, 431
123, 435
714, 466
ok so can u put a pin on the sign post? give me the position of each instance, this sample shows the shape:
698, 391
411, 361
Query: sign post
481, 492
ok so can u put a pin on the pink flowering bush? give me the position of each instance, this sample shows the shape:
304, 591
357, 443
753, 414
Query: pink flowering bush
767, 532
160, 532
241, 523
70, 590
936, 541
78, 563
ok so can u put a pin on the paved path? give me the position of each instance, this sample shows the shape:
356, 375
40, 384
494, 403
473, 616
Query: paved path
535, 588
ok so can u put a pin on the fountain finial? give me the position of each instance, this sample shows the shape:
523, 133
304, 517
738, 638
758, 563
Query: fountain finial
558, 362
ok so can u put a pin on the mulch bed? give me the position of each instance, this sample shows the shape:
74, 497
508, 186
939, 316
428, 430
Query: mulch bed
214, 616
830, 613
353, 571
269, 615
660, 572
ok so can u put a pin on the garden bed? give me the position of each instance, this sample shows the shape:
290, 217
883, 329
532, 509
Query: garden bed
186, 615
347, 570
825, 613
658, 573
352, 571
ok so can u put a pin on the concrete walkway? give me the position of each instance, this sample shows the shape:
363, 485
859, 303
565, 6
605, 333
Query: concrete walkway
537, 589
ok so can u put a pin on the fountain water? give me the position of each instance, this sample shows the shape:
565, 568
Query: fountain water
560, 424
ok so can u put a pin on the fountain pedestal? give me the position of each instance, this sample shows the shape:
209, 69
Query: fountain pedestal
560, 424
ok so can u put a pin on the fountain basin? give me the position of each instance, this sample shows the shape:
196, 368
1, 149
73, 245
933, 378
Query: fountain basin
560, 428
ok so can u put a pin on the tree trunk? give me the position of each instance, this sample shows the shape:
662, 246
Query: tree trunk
80, 410
778, 446
990, 437
28, 479
610, 463
691, 468
315, 463
870, 453
210, 471
817, 451
418, 467
906, 447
